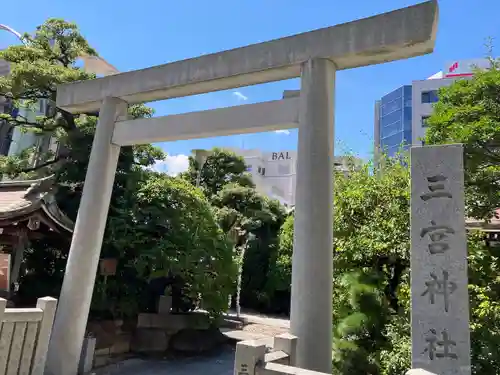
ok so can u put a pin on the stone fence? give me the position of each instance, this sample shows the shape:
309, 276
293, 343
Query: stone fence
255, 358
24, 337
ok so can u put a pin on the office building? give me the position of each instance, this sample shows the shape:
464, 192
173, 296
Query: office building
274, 173
400, 116
393, 120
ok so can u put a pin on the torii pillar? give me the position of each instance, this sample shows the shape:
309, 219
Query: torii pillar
315, 57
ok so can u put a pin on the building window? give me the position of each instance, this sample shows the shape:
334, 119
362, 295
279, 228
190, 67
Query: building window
429, 96
391, 130
249, 168
391, 107
395, 95
261, 171
391, 118
424, 121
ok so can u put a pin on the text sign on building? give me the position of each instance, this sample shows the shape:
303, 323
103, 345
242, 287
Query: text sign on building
464, 68
281, 156
439, 298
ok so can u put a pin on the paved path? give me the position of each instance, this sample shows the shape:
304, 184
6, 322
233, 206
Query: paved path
219, 364
268, 320
257, 327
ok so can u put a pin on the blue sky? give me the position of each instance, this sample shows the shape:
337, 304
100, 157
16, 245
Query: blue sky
138, 34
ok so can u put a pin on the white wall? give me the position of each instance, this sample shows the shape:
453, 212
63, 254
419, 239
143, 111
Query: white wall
279, 178
421, 110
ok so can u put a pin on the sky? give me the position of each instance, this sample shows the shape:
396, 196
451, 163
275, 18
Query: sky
138, 34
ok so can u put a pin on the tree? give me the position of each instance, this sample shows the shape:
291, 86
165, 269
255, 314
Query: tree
221, 168
176, 228
371, 261
371, 276
251, 221
371, 225
468, 112
359, 336
47, 59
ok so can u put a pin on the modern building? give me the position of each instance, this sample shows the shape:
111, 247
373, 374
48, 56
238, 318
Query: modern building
393, 120
400, 116
425, 94
274, 173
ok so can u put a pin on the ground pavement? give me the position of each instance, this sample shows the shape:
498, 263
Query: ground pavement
257, 327
218, 364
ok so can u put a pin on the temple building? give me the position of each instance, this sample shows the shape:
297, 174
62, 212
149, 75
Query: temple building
28, 211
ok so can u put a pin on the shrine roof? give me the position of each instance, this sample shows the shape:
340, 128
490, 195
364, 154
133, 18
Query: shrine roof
21, 199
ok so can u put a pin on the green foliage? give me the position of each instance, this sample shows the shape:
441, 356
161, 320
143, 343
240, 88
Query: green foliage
250, 220
484, 294
282, 271
359, 335
395, 359
177, 231
371, 261
371, 226
221, 168
371, 240
468, 112
253, 222
152, 218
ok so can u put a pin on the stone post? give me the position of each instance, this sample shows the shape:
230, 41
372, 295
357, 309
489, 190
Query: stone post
439, 297
71, 318
287, 343
248, 355
312, 263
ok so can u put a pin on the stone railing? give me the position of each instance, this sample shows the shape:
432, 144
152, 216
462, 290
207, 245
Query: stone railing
255, 358
24, 337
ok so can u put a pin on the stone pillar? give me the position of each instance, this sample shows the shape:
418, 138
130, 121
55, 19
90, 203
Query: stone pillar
312, 266
76, 294
440, 328
249, 354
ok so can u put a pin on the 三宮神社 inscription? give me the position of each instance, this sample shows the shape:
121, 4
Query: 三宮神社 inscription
439, 347
441, 287
439, 297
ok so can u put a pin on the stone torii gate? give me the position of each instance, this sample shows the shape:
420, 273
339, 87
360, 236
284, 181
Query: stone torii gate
314, 57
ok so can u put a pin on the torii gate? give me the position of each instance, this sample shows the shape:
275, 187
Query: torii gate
314, 57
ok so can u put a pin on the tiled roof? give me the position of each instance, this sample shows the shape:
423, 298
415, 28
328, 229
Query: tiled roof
18, 199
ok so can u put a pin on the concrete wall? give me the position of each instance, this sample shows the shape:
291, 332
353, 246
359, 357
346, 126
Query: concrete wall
421, 110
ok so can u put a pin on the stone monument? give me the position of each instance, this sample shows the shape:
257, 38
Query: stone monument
439, 298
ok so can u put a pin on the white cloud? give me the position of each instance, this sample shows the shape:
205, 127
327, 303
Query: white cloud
173, 164
283, 131
240, 96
